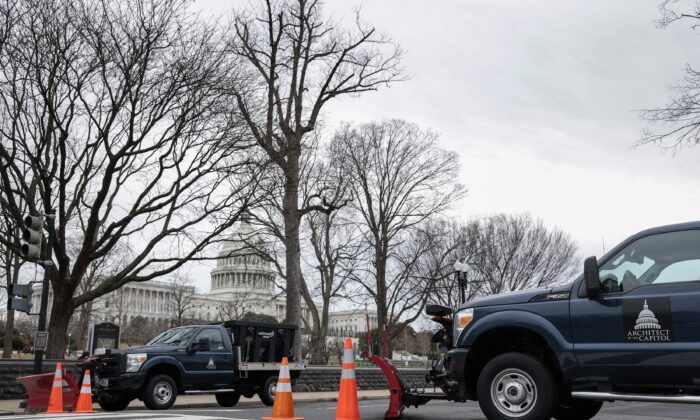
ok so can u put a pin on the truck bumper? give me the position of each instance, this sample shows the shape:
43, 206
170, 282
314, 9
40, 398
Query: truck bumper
124, 382
457, 362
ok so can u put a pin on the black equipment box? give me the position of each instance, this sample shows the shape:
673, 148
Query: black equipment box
262, 342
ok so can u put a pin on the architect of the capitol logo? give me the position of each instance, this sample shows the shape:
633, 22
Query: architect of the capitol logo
647, 328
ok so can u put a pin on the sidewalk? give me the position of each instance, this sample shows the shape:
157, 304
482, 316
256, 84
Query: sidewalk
207, 400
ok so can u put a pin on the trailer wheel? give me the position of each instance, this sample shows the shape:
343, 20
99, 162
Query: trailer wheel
228, 399
577, 409
160, 392
268, 390
516, 386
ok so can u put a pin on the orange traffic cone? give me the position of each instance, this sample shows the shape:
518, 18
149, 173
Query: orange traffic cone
283, 408
348, 408
56, 397
84, 404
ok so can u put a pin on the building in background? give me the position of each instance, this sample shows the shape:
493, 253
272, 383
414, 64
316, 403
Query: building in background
351, 323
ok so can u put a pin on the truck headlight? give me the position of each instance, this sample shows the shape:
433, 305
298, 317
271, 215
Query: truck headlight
134, 361
461, 320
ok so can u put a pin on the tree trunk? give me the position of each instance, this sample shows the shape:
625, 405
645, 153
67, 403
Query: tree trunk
319, 353
382, 315
85, 315
292, 219
9, 334
58, 326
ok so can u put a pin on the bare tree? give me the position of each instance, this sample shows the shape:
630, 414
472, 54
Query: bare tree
298, 62
139, 331
236, 306
452, 241
116, 306
182, 298
400, 178
517, 252
336, 254
677, 124
111, 115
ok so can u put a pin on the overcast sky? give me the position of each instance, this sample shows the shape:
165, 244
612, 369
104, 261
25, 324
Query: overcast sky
539, 99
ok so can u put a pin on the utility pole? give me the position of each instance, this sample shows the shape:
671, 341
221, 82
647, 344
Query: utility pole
48, 269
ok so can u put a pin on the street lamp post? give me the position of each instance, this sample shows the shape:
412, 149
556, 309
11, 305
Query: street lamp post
461, 270
68, 348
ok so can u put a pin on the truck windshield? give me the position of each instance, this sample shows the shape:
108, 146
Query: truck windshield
174, 337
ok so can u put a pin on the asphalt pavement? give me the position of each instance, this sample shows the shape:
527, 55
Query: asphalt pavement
374, 410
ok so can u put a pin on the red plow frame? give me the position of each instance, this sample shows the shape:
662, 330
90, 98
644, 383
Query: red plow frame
401, 394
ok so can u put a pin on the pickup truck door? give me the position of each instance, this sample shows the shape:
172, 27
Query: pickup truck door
644, 327
212, 369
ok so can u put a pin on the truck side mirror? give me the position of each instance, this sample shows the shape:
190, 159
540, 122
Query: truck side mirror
201, 345
591, 277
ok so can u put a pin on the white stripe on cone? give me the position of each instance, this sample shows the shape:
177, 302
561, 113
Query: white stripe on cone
284, 387
85, 389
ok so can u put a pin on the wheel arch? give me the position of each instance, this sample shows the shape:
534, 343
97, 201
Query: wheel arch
168, 367
505, 339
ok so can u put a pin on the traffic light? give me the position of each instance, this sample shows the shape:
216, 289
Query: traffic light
31, 234
21, 297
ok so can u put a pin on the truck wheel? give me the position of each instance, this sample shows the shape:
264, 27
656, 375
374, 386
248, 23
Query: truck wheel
516, 386
228, 399
267, 390
577, 409
160, 392
112, 403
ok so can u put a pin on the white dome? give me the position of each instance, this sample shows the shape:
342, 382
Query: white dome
240, 269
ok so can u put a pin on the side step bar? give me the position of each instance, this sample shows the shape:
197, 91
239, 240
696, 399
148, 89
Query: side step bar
608, 396
210, 391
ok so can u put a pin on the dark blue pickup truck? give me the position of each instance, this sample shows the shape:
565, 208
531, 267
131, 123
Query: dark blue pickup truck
628, 328
230, 359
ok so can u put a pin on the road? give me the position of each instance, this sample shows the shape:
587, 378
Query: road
374, 410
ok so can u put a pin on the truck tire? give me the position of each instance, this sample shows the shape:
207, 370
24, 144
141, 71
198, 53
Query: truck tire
112, 403
267, 390
516, 386
160, 392
577, 409
228, 399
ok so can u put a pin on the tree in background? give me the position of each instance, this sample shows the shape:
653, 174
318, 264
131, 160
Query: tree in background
333, 253
515, 252
236, 307
112, 115
677, 124
139, 331
458, 241
182, 299
255, 317
400, 179
296, 62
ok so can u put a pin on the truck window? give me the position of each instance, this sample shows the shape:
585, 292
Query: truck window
174, 337
216, 341
662, 258
680, 271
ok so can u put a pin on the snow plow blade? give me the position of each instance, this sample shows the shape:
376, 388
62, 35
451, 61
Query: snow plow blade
401, 395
